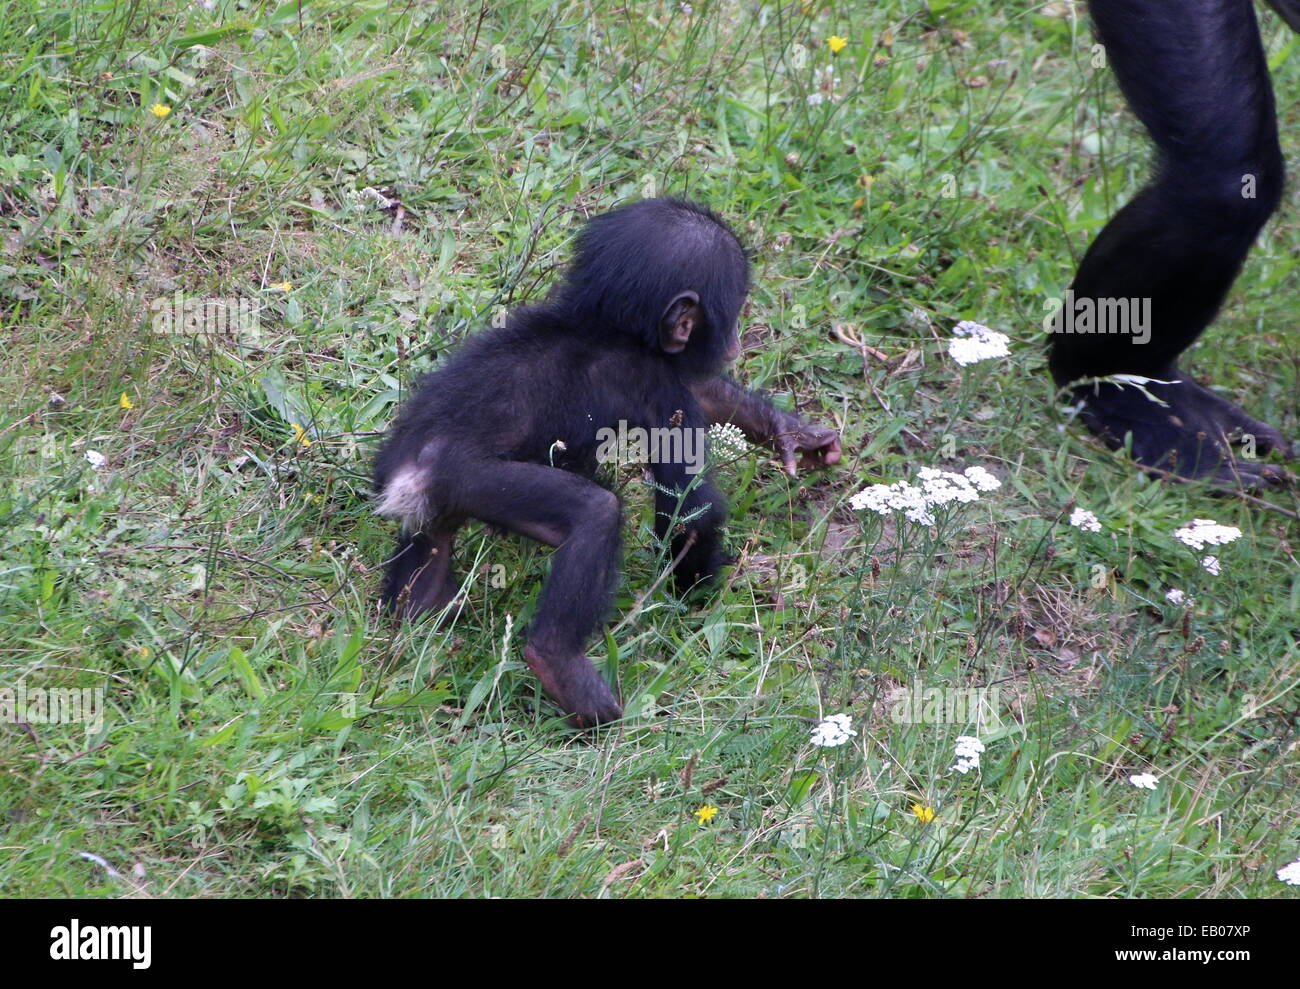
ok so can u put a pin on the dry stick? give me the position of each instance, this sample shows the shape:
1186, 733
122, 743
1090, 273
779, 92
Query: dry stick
850, 337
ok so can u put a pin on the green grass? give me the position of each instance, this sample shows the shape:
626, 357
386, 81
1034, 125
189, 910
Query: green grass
269, 733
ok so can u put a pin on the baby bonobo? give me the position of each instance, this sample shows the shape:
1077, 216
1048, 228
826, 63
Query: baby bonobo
506, 431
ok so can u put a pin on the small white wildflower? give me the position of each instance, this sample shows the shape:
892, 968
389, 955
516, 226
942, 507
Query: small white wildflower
1143, 781
833, 731
942, 487
973, 342
982, 479
96, 459
935, 489
727, 441
827, 82
1175, 596
816, 99
967, 748
898, 497
1212, 565
1203, 532
1083, 519
1290, 874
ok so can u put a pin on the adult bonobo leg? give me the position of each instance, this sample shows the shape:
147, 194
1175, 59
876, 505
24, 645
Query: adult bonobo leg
1195, 75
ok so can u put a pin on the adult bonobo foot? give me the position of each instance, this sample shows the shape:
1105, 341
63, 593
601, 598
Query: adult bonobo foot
1184, 429
575, 686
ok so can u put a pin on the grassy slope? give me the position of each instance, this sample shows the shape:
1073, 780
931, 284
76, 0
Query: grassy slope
269, 733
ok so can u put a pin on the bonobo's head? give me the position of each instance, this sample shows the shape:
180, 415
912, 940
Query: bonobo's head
665, 271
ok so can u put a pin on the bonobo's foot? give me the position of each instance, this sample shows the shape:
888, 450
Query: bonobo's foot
424, 597
701, 563
419, 578
574, 684
1193, 435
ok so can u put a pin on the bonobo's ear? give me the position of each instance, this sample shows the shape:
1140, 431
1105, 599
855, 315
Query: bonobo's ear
678, 321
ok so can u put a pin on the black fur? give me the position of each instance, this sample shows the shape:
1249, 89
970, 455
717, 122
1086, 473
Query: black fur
1194, 73
506, 430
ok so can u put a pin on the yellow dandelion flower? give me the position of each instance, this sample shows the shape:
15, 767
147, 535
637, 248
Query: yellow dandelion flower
300, 434
923, 813
836, 43
706, 813
160, 110
281, 286
125, 402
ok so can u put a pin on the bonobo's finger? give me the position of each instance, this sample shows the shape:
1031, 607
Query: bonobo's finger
822, 448
810, 447
788, 447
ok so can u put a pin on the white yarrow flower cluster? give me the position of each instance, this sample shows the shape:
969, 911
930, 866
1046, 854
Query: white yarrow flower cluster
1175, 596
727, 441
96, 459
1207, 532
1144, 781
967, 749
935, 488
833, 731
1083, 519
973, 342
1290, 874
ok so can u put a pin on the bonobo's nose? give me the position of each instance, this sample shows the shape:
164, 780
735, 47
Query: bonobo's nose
733, 347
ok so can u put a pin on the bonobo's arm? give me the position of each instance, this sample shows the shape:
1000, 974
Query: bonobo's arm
762, 422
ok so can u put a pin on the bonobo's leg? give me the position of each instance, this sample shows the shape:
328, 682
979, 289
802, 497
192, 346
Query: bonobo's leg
1195, 75
419, 577
562, 510
796, 442
693, 509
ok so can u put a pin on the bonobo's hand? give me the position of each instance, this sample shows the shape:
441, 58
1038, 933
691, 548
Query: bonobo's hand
819, 446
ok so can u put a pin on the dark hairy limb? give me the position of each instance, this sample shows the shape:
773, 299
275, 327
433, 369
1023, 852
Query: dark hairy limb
1195, 75
797, 443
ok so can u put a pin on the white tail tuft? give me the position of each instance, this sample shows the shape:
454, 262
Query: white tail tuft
404, 498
